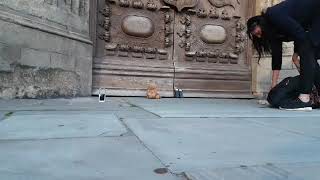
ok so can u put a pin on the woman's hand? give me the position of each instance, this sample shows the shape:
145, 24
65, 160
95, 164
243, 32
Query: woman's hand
296, 60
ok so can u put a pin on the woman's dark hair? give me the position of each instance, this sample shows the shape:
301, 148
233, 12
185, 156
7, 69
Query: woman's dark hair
262, 44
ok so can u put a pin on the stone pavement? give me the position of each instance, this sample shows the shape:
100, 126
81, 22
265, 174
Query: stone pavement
129, 138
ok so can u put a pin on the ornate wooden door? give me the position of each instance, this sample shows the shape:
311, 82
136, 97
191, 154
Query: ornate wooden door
195, 45
210, 49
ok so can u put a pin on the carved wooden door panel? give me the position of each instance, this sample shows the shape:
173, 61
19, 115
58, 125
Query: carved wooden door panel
195, 45
134, 47
210, 49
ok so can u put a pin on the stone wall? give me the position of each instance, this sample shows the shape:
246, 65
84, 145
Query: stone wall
45, 48
261, 71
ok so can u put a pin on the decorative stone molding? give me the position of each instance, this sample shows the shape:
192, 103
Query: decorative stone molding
185, 32
151, 53
168, 42
124, 3
140, 28
137, 52
106, 23
137, 26
213, 13
190, 56
240, 26
167, 18
202, 13
188, 31
225, 15
106, 11
240, 37
212, 57
227, 31
181, 4
212, 34
201, 56
188, 46
123, 50
111, 49
168, 30
137, 4
163, 54
151, 5
223, 3
79, 7
105, 36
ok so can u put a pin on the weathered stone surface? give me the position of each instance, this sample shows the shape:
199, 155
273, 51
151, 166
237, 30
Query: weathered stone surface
287, 63
31, 82
50, 61
7, 92
9, 53
32, 57
8, 56
138, 26
83, 68
213, 34
59, 13
62, 61
5, 66
261, 79
287, 73
18, 36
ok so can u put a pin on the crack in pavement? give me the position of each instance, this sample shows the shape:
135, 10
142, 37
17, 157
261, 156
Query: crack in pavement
6, 115
147, 148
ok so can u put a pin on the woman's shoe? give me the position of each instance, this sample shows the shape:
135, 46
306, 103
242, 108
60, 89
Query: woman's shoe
296, 105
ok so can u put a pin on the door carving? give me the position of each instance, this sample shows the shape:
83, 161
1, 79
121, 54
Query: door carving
134, 47
195, 45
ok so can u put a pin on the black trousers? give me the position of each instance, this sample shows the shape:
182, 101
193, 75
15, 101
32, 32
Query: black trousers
288, 89
309, 67
317, 70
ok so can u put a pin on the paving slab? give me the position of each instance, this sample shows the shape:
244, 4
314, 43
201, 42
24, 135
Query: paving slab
120, 112
308, 126
135, 113
305, 171
191, 107
80, 104
101, 158
191, 143
60, 124
2, 115
300, 171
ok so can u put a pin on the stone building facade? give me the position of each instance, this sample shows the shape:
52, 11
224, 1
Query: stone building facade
45, 48
67, 48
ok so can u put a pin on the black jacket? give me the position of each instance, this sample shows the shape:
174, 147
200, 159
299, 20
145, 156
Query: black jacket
295, 20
